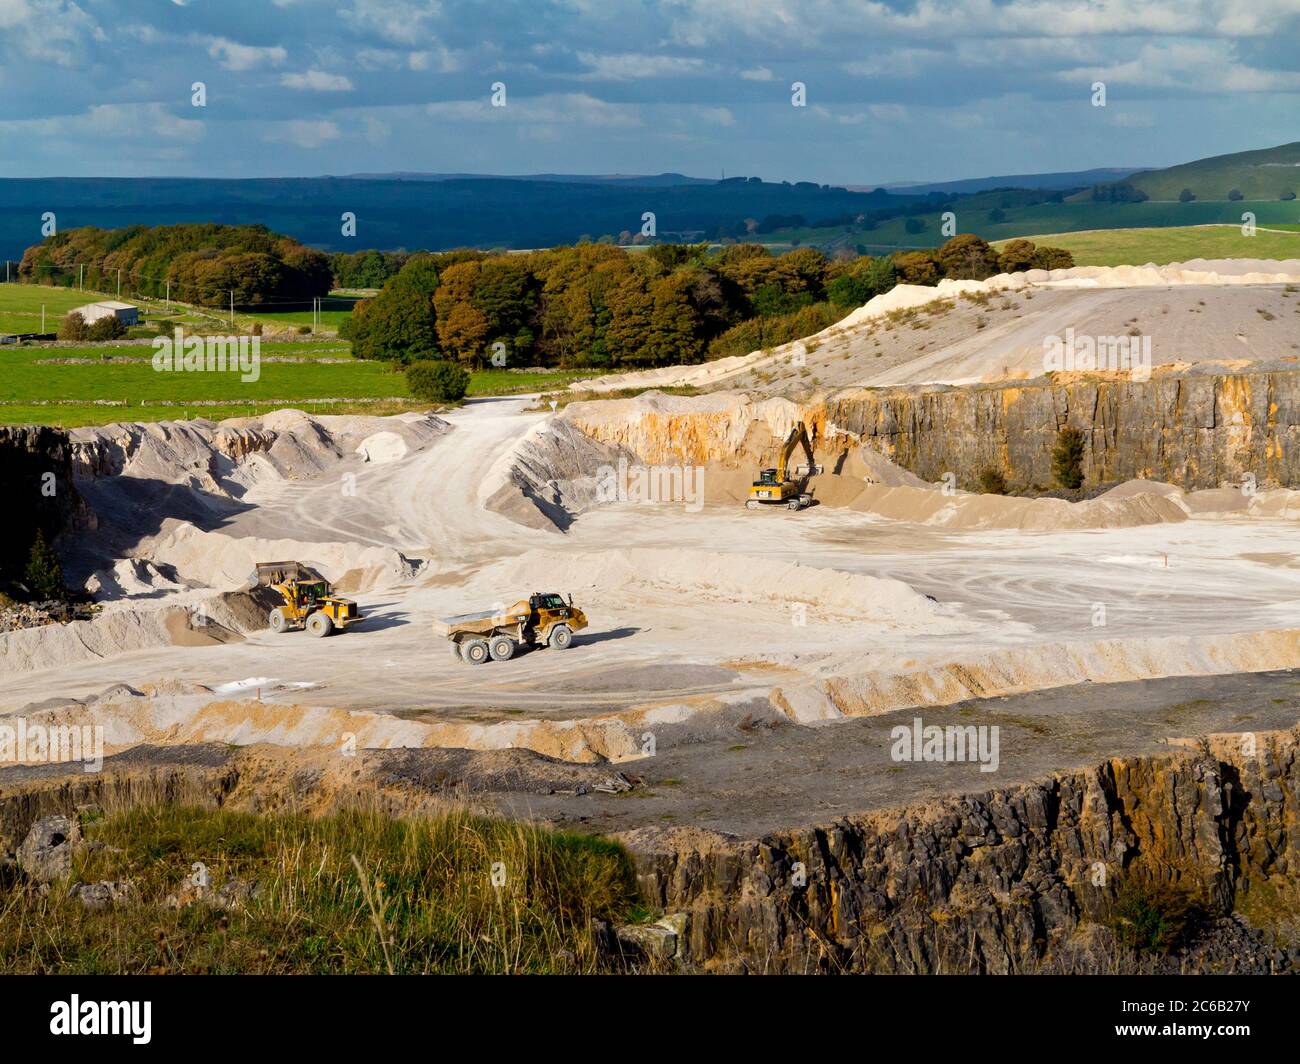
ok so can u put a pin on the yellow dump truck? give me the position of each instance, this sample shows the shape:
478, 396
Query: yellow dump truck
542, 619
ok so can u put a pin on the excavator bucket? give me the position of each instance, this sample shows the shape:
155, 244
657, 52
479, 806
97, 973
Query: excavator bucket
807, 470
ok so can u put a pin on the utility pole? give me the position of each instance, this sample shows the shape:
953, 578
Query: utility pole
81, 276
119, 282
6, 271
42, 314
169, 293
232, 308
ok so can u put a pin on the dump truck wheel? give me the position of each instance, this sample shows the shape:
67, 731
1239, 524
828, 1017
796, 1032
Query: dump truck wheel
455, 650
319, 624
561, 637
278, 621
475, 651
502, 648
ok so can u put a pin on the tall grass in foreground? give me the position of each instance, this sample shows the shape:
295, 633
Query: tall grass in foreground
352, 892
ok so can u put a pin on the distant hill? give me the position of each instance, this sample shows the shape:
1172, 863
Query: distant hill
1062, 180
640, 180
1259, 175
432, 215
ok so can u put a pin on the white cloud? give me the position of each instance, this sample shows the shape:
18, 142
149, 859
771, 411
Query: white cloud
551, 109
317, 81
404, 22
625, 66
303, 133
113, 122
757, 74
235, 56
47, 31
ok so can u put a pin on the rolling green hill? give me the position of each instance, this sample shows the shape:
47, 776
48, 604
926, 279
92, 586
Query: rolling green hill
1137, 247
1259, 175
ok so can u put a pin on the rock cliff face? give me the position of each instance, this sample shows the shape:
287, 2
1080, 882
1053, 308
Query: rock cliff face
1196, 430
1011, 880
36, 476
998, 882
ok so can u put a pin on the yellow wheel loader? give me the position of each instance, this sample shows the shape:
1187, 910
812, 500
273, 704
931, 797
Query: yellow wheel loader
308, 600
543, 619
774, 486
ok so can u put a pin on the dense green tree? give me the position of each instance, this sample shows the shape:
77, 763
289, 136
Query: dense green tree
202, 263
968, 257
396, 326
861, 280
1067, 458
917, 267
44, 575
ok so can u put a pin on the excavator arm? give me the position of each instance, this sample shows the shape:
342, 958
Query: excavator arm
797, 436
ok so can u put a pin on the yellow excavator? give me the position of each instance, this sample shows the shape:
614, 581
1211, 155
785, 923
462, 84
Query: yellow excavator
774, 487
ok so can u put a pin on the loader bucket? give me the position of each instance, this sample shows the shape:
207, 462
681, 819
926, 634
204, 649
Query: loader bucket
269, 573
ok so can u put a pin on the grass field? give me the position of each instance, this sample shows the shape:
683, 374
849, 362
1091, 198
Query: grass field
334, 310
20, 307
1040, 218
351, 893
95, 385
1136, 247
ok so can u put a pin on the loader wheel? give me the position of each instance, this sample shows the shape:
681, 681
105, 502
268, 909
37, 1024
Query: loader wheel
561, 637
475, 651
319, 624
502, 648
278, 621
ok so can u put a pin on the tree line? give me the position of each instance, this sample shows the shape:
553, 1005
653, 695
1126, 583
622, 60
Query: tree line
597, 306
195, 263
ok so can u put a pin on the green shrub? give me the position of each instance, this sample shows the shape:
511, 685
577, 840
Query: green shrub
1152, 918
74, 327
106, 328
44, 575
1067, 458
992, 482
437, 382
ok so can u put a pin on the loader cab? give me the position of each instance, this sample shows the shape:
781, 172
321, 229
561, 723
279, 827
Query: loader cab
310, 593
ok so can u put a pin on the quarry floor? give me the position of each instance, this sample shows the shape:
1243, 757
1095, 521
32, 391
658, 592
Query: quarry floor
679, 657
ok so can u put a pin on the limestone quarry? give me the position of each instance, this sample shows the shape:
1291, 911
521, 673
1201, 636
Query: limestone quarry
744, 670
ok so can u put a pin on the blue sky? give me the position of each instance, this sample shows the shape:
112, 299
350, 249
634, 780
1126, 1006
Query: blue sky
926, 90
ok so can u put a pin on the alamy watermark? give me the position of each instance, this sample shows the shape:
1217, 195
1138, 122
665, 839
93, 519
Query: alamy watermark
950, 743
22, 743
179, 353
1118, 354
651, 484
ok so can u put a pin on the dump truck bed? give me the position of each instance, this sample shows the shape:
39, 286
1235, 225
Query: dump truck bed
480, 623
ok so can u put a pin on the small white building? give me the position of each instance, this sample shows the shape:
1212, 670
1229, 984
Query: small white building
109, 308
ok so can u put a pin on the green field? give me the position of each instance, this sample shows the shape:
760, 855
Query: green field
335, 309
973, 217
103, 383
1136, 247
20, 307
